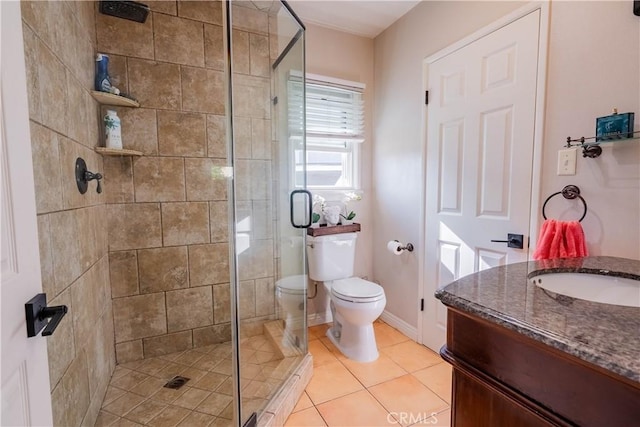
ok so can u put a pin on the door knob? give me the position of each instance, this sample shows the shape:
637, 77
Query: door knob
513, 241
38, 313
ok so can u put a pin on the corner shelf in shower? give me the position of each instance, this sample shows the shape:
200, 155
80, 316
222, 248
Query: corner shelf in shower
114, 152
111, 99
120, 101
333, 229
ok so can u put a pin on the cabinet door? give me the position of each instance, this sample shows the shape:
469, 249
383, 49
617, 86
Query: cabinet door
477, 405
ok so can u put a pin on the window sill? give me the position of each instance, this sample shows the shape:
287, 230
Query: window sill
335, 195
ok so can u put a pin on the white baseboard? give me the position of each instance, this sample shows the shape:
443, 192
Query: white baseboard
395, 322
392, 320
314, 319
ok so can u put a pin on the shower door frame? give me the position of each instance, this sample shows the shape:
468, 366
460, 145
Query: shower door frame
244, 419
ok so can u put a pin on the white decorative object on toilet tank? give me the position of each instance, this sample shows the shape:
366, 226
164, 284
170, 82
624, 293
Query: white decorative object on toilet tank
332, 214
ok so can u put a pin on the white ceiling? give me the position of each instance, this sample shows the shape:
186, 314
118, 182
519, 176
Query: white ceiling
364, 18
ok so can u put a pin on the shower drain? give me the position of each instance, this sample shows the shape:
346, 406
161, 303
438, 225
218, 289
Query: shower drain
176, 382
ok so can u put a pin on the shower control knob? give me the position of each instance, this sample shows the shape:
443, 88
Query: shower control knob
88, 176
83, 176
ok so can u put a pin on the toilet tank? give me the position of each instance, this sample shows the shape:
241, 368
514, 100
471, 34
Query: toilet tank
331, 257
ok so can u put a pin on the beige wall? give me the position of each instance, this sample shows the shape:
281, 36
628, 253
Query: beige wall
585, 79
346, 56
398, 143
59, 43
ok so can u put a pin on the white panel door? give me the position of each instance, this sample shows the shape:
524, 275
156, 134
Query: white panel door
480, 133
26, 398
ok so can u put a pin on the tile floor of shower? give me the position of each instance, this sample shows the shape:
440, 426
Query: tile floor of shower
136, 394
406, 379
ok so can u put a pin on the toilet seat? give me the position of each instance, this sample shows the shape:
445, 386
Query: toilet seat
294, 285
357, 290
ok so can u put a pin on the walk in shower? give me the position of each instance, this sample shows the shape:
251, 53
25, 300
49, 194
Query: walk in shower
215, 300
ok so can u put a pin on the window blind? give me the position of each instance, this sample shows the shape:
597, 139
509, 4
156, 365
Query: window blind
335, 113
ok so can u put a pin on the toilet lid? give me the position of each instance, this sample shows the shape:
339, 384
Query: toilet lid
293, 284
355, 288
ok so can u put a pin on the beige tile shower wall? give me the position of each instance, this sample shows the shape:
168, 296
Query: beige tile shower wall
168, 213
59, 43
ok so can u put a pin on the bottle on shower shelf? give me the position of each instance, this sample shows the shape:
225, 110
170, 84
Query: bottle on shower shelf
102, 82
113, 131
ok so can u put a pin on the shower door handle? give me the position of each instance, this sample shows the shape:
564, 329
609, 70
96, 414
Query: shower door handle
309, 208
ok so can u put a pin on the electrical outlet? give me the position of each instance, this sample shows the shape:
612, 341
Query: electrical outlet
567, 161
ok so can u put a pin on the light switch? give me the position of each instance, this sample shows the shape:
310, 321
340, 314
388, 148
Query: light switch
567, 161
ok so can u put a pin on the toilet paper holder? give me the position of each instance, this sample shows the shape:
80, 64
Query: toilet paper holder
407, 247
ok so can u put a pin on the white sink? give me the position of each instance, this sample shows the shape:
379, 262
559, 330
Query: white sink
592, 287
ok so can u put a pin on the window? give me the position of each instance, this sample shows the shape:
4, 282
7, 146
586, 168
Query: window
335, 129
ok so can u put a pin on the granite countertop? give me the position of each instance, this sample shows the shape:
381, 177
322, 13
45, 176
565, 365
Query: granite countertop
605, 335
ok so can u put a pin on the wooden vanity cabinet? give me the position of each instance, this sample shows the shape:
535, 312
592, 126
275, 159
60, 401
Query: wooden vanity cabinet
503, 378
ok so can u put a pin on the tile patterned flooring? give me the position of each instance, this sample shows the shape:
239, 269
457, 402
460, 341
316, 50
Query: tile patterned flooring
408, 385
136, 396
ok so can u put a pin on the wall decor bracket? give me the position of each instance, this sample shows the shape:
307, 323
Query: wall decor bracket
591, 145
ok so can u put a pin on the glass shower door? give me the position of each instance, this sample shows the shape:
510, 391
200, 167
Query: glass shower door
269, 287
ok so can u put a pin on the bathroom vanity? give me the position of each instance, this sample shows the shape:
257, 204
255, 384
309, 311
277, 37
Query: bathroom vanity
525, 356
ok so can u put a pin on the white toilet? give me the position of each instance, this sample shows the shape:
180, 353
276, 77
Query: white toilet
291, 292
355, 303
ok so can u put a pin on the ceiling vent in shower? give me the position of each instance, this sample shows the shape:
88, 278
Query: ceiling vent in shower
131, 10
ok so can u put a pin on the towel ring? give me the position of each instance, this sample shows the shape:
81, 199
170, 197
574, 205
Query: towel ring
569, 192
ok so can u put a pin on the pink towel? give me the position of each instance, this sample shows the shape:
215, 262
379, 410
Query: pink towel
561, 239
